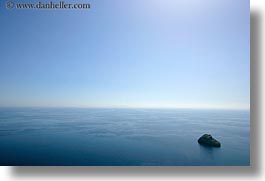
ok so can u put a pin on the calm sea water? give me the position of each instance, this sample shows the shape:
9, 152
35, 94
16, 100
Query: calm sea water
133, 137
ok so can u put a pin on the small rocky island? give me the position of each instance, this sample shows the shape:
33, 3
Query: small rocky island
208, 140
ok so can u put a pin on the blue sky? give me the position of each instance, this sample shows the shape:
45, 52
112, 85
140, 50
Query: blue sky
136, 53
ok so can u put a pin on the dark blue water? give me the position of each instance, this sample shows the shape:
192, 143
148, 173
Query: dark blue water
141, 137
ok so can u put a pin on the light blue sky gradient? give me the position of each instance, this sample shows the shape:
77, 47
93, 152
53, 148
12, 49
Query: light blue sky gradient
135, 53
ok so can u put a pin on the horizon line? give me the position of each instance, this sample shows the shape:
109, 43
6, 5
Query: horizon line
128, 107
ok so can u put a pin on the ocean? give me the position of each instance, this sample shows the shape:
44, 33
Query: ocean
122, 137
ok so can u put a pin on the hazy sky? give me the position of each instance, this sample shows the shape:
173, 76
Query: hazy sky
135, 53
